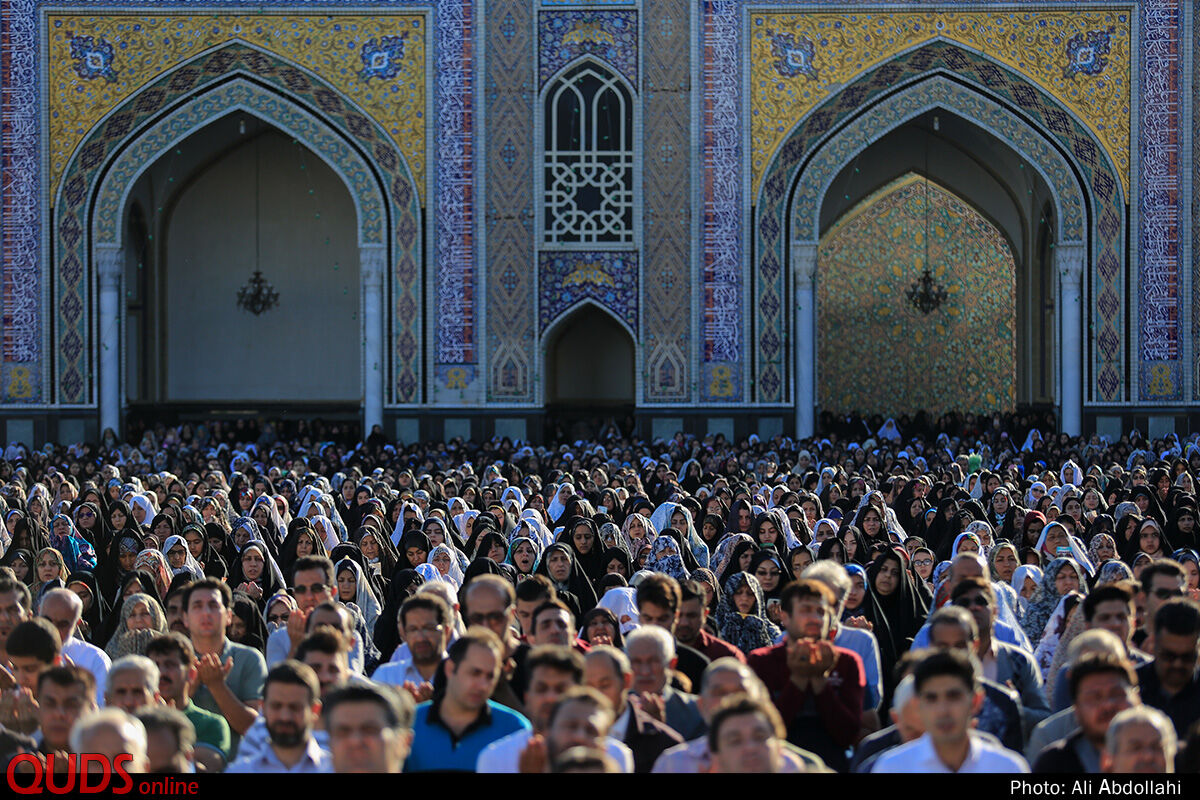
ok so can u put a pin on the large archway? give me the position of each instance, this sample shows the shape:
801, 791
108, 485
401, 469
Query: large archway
1088, 207
92, 210
589, 373
235, 197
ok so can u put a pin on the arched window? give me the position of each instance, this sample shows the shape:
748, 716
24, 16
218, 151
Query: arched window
588, 195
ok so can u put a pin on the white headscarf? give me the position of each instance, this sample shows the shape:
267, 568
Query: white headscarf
455, 574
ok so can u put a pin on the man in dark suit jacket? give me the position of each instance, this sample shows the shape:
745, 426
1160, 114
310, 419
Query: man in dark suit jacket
608, 671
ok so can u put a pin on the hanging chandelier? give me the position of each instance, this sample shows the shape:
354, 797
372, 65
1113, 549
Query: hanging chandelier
258, 295
925, 294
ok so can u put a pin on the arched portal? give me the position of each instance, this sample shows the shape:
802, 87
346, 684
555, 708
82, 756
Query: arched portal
236, 197
94, 196
1088, 240
589, 367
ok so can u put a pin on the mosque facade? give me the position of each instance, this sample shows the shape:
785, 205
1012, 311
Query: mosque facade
462, 217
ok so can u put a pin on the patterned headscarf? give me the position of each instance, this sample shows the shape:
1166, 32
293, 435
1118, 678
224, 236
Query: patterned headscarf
660, 561
745, 631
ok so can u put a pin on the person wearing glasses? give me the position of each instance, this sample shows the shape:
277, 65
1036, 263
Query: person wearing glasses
425, 626
1161, 581
1002, 662
313, 583
490, 602
1169, 682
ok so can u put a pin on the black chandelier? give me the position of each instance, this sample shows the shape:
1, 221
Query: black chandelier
258, 295
925, 295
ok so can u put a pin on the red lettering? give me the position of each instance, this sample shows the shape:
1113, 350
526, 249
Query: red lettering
37, 771
72, 766
119, 763
106, 773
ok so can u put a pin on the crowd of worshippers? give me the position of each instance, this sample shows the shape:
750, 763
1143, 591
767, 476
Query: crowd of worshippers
689, 605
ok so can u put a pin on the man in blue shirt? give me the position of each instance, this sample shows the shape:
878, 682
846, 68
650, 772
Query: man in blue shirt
452, 729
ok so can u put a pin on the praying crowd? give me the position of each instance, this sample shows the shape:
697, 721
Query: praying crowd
967, 598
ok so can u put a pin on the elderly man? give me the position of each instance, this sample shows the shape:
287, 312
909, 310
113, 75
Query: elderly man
133, 684
724, 678
609, 672
651, 652
64, 609
1139, 740
111, 732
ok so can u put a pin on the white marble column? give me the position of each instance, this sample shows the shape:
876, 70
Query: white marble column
804, 334
372, 262
1069, 261
109, 261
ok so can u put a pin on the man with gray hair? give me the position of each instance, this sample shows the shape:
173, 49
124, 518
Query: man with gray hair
857, 640
1139, 739
651, 652
608, 671
111, 732
724, 678
64, 610
132, 684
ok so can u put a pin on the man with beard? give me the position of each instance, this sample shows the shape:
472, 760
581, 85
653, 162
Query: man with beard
425, 626
291, 706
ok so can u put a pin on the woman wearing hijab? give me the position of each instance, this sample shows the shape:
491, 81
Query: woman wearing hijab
302, 540
740, 556
944, 528
1002, 514
664, 557
600, 626
255, 573
414, 549
862, 602
23, 564
491, 545
89, 521
1102, 549
139, 613
741, 614
1053, 588
897, 598
75, 549
581, 536
617, 560
444, 559
248, 627
567, 576
196, 538
50, 568
378, 552
353, 587
95, 607
180, 559
154, 563
1148, 505
832, 549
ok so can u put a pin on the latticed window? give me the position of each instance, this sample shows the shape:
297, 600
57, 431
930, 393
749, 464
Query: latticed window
588, 176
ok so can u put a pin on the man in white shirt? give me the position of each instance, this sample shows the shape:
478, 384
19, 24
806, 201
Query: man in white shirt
553, 671
291, 706
64, 610
425, 625
948, 697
